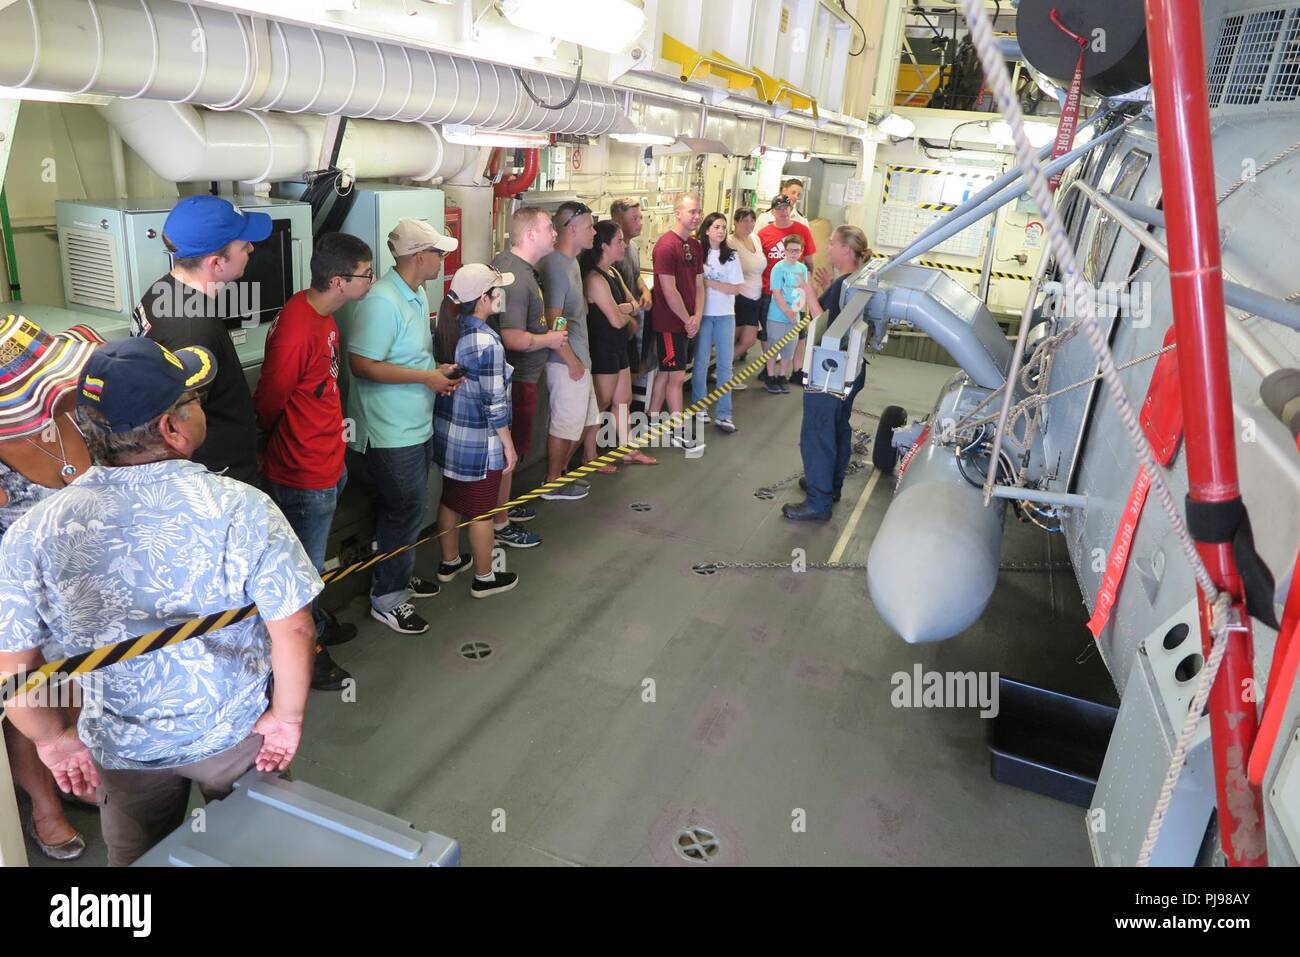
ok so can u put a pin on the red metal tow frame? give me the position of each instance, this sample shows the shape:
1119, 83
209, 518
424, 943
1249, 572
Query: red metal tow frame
1176, 45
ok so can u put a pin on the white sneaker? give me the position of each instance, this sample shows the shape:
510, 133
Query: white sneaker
725, 425
739, 387
702, 416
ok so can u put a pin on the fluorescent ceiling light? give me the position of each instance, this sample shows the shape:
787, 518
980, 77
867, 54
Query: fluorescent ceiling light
780, 152
608, 25
895, 125
469, 136
693, 144
643, 139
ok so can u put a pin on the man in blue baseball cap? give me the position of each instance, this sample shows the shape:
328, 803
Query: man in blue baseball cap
210, 242
144, 540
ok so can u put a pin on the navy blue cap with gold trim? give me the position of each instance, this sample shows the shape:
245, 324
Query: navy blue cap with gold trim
130, 382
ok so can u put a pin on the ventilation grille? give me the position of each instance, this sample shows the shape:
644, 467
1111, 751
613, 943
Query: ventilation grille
90, 269
1257, 59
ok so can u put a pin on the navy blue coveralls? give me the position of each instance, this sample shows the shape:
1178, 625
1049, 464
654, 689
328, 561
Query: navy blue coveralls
826, 436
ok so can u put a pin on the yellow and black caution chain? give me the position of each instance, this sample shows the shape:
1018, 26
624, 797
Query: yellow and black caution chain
107, 655
976, 270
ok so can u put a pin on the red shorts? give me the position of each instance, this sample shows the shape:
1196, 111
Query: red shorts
470, 499
523, 400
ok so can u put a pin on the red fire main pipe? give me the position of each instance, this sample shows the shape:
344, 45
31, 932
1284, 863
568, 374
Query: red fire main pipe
1176, 47
515, 184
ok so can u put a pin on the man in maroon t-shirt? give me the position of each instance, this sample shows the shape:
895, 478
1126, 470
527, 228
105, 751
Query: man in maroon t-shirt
677, 299
772, 239
298, 406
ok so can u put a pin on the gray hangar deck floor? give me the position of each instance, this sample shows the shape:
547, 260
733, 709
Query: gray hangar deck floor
772, 690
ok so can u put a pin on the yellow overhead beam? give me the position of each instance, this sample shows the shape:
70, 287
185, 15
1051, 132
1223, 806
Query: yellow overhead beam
693, 65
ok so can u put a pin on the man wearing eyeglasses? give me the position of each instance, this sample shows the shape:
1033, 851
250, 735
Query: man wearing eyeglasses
298, 407
574, 412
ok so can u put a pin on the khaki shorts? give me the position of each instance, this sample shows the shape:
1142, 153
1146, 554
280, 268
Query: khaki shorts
573, 404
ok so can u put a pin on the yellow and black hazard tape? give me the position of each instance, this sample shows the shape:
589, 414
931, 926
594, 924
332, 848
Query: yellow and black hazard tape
927, 170
974, 270
937, 207
107, 655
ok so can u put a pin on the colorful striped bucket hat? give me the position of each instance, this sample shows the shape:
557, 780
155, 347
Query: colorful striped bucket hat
36, 368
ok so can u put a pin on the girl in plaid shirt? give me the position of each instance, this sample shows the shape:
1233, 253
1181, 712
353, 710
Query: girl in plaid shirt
471, 427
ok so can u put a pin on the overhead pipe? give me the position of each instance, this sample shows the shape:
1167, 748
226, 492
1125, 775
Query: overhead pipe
183, 144
187, 53
1196, 285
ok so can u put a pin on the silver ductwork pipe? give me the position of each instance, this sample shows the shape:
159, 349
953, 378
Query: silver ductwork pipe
186, 53
184, 144
948, 313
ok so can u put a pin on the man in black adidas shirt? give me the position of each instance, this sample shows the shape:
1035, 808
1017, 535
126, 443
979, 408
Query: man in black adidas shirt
210, 242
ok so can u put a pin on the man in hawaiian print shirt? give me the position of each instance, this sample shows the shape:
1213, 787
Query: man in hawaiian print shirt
142, 540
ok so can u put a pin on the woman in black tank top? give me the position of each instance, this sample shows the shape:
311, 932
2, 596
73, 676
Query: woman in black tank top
609, 326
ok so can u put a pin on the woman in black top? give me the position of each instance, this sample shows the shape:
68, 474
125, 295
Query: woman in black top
610, 307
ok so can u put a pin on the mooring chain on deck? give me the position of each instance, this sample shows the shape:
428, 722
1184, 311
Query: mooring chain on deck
106, 655
861, 446
710, 568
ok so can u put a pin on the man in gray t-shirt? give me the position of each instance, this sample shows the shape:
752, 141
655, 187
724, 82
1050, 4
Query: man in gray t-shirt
574, 413
563, 293
528, 343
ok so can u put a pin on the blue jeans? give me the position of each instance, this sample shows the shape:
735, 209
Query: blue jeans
826, 443
716, 332
401, 477
310, 512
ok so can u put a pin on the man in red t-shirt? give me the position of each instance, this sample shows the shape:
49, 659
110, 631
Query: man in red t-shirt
772, 239
298, 406
677, 301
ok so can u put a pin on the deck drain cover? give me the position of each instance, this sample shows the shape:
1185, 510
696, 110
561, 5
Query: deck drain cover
696, 843
475, 650
765, 493
641, 506
708, 568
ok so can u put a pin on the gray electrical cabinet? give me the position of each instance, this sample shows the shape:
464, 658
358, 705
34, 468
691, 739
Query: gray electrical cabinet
112, 251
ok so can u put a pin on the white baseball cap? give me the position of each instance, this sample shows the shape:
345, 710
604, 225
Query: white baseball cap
474, 279
415, 235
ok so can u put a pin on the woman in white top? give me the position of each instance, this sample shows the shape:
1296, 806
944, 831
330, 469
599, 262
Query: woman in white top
752, 263
723, 279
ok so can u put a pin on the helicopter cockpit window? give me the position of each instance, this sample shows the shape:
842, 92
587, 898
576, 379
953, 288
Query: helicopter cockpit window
1105, 230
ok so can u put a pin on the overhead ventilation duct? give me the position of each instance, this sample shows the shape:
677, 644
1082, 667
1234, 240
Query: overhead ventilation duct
185, 144
185, 53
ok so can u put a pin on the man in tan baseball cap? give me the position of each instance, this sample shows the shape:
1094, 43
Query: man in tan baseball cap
412, 236
394, 380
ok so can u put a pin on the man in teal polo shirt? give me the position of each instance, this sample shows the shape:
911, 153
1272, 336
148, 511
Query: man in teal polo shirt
394, 379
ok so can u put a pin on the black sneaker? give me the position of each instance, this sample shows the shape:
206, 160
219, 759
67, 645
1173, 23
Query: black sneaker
501, 582
421, 588
449, 570
521, 513
773, 386
326, 675
402, 619
338, 632
762, 374
797, 379
784, 383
